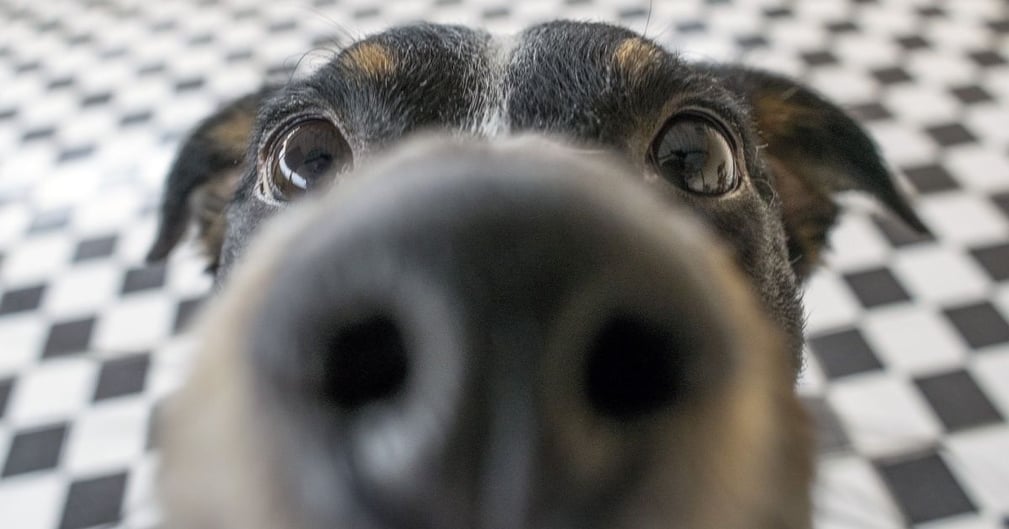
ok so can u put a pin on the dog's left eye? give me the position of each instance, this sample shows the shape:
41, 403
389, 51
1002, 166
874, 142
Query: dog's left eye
307, 154
692, 153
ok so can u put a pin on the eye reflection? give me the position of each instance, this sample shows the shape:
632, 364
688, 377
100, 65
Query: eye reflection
693, 154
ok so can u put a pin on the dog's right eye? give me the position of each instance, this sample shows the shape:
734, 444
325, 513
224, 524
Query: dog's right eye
694, 154
307, 154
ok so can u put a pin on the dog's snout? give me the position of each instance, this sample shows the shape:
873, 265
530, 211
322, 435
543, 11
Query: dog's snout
471, 335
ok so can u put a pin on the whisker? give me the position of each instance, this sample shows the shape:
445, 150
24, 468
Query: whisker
648, 18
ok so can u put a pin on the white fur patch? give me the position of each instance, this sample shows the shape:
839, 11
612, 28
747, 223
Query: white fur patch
490, 116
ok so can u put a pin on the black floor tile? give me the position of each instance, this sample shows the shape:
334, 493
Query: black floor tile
6, 388
691, 26
151, 69
987, 58
778, 12
41, 133
59, 83
892, 75
21, 299
971, 94
95, 501
49, 220
95, 247
1002, 202
34, 450
913, 42
122, 376
844, 353
951, 134
819, 58
930, 178
931, 12
897, 233
981, 324
366, 12
957, 400
202, 39
999, 26
867, 112
68, 337
184, 313
92, 100
624, 14
994, 259
147, 278
876, 287
245, 54
71, 154
283, 26
843, 26
188, 85
750, 42
136, 118
924, 488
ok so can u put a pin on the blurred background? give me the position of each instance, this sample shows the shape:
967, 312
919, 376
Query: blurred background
908, 356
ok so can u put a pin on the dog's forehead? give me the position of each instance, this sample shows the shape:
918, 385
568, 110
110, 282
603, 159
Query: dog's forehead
583, 80
589, 79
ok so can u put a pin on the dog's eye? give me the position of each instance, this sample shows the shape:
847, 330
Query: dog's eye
309, 153
693, 153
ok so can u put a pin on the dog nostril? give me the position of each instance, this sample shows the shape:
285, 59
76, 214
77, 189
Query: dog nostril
634, 368
367, 363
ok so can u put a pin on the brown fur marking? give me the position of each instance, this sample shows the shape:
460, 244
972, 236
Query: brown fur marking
635, 56
370, 59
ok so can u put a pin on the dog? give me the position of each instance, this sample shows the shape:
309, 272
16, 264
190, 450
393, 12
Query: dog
551, 280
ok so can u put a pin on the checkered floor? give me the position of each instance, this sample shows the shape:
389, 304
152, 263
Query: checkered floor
909, 340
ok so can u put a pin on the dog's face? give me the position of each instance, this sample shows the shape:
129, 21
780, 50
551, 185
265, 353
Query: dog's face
594, 325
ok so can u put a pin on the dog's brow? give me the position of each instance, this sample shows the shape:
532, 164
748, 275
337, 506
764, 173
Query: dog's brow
635, 55
371, 59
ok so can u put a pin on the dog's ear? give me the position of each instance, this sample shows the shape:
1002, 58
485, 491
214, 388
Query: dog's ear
813, 150
203, 177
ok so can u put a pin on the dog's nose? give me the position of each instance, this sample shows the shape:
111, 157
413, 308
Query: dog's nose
492, 339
